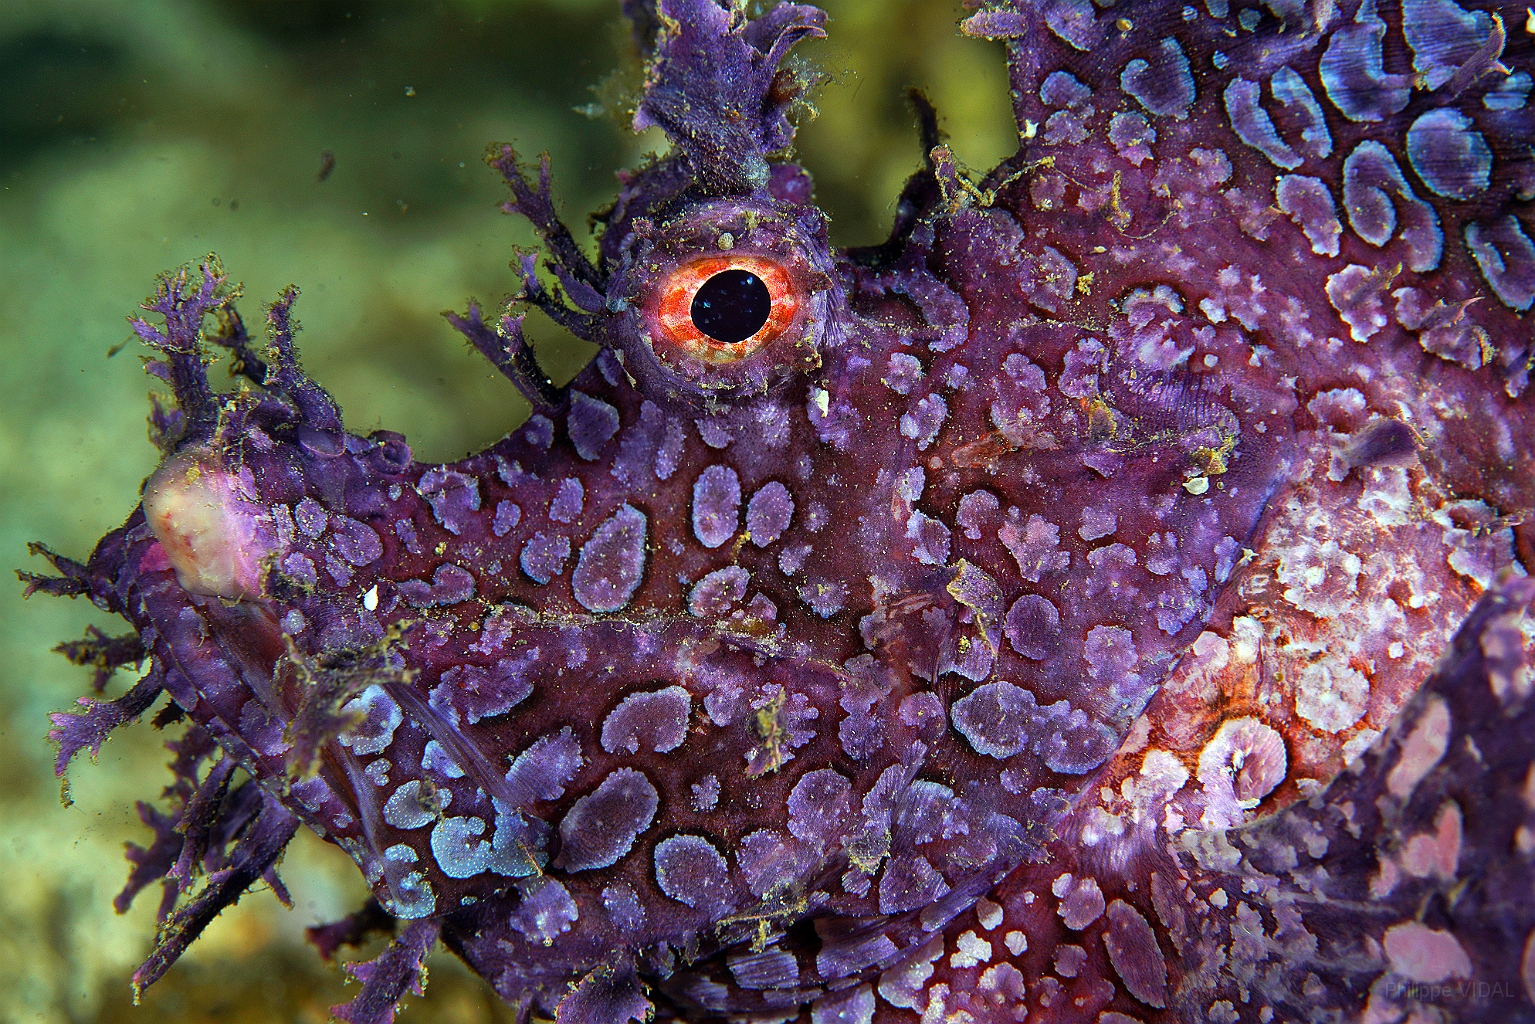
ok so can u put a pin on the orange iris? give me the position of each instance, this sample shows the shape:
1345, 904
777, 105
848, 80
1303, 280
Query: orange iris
675, 312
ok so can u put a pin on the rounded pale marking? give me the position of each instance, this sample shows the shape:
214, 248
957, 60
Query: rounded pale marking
454, 497
1450, 156
374, 716
542, 771
1291, 90
477, 692
405, 810
356, 542
1353, 72
691, 871
543, 557
567, 502
1309, 204
1133, 950
1081, 901
1331, 695
655, 721
1033, 627
602, 826
1254, 126
1506, 257
718, 592
1421, 750
1376, 197
769, 513
1164, 85
612, 562
623, 907
995, 718
716, 505
1425, 955
458, 852
544, 911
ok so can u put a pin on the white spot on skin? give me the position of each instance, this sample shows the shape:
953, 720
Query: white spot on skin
545, 909
769, 513
706, 793
1308, 202
1356, 293
930, 537
567, 502
601, 827
972, 950
904, 370
975, 510
691, 871
1097, 523
1082, 903
903, 985
1034, 545
435, 759
1017, 942
824, 597
987, 914
718, 592
506, 518
1161, 775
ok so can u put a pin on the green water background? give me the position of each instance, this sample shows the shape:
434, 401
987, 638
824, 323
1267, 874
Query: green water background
135, 136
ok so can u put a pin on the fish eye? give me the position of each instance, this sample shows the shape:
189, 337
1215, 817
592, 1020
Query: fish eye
731, 306
722, 309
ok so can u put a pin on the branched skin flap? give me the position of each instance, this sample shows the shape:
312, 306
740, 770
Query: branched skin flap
975, 628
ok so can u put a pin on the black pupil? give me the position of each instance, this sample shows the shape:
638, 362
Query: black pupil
732, 306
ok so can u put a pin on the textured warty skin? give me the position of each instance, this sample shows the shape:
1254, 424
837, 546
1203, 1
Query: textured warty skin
1103, 602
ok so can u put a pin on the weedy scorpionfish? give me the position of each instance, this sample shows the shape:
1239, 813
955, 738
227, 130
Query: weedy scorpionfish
1104, 601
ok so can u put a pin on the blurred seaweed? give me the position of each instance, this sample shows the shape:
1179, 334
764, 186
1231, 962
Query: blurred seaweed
335, 146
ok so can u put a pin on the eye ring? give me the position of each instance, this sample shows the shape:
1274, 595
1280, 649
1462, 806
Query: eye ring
675, 313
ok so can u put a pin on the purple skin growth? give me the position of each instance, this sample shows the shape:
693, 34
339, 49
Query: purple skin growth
981, 640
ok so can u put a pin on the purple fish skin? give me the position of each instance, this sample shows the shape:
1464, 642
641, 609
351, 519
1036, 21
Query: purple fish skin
1106, 601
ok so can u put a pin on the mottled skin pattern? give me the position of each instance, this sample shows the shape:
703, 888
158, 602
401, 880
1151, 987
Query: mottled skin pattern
986, 646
